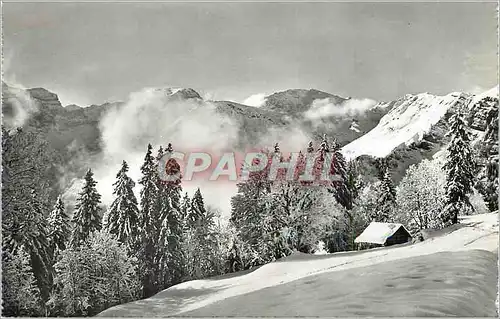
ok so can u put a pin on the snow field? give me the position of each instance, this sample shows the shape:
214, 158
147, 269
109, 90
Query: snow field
469, 245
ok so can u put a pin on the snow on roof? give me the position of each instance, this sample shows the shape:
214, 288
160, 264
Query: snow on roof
378, 233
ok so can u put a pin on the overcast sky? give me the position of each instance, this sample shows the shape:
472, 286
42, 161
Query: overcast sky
96, 52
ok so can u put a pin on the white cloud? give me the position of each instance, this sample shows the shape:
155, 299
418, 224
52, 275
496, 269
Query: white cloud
20, 107
150, 117
256, 100
322, 108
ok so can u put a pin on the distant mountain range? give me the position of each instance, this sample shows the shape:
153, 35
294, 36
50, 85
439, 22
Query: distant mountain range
404, 131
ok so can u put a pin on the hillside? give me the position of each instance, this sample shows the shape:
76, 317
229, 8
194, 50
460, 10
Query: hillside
409, 119
415, 128
453, 272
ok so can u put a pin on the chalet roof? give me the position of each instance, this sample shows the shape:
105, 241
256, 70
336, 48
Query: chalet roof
378, 233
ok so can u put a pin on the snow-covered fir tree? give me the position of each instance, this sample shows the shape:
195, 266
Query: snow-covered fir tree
33, 238
161, 254
249, 209
321, 156
487, 182
302, 164
233, 259
279, 204
341, 189
122, 217
459, 169
354, 185
26, 168
287, 197
175, 237
206, 254
277, 210
149, 192
310, 147
324, 163
196, 210
147, 253
87, 216
324, 145
171, 234
20, 294
387, 200
328, 162
58, 227
185, 207
354, 181
201, 243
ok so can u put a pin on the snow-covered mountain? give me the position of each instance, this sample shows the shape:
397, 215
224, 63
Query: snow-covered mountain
409, 120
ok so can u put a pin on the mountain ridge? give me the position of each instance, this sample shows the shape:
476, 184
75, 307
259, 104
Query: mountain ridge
75, 129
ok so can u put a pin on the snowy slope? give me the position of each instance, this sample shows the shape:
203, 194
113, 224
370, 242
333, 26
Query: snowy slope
446, 264
437, 285
407, 122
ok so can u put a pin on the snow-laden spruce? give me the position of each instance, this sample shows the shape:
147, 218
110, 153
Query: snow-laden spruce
87, 216
25, 197
20, 294
122, 218
459, 169
171, 224
386, 201
487, 183
58, 226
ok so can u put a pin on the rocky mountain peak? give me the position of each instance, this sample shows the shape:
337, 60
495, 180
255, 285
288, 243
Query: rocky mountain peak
479, 108
46, 98
181, 93
298, 100
72, 107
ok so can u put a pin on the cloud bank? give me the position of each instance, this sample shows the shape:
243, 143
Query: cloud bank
323, 108
154, 116
19, 107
